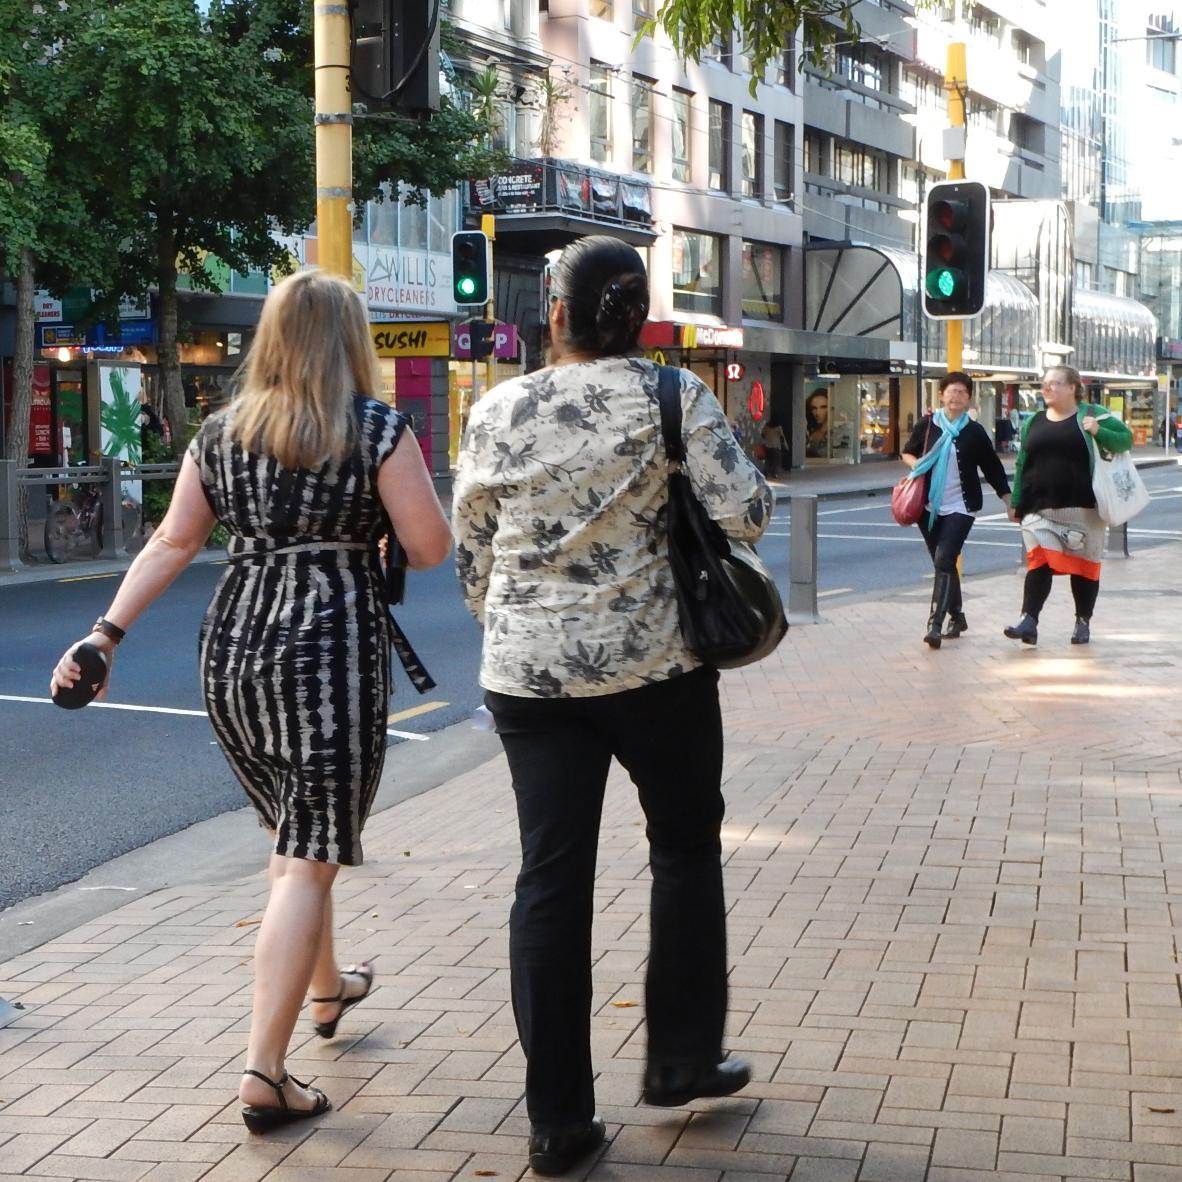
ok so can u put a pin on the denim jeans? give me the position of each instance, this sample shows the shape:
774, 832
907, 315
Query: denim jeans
668, 737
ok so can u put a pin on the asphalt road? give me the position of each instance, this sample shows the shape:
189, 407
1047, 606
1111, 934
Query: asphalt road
77, 789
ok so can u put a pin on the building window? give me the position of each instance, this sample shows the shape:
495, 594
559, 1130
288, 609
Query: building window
785, 69
642, 125
642, 13
983, 22
785, 149
600, 99
720, 146
814, 152
752, 154
681, 136
857, 165
718, 50
1161, 52
603, 9
763, 279
697, 283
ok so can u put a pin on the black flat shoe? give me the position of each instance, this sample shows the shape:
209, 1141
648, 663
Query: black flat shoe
1082, 633
365, 971
669, 1087
556, 1153
1025, 630
263, 1120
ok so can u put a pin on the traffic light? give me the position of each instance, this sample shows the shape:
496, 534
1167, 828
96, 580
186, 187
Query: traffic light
469, 267
481, 338
957, 257
395, 61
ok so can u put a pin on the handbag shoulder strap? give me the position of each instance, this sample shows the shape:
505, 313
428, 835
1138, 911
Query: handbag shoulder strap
669, 401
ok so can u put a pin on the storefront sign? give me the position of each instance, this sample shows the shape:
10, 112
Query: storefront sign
415, 281
709, 336
41, 414
504, 341
665, 334
735, 371
99, 338
756, 402
408, 339
47, 308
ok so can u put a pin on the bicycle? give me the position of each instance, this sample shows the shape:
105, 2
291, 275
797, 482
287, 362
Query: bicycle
74, 528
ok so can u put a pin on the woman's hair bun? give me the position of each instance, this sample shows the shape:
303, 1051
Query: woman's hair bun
605, 291
623, 308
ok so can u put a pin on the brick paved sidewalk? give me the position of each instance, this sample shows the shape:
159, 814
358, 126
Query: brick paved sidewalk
953, 879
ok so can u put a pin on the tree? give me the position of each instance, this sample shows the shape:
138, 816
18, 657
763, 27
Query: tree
196, 131
766, 27
42, 227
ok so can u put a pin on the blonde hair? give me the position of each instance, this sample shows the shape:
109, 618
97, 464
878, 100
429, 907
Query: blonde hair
311, 353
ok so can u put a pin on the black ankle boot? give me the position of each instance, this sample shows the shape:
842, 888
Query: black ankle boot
1083, 632
956, 625
941, 593
1025, 630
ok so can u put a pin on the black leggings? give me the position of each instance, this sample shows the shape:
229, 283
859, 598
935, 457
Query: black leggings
1038, 587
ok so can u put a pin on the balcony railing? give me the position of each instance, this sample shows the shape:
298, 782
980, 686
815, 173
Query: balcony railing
548, 185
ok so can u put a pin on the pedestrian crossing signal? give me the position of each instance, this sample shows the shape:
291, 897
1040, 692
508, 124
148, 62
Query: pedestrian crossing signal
469, 267
956, 259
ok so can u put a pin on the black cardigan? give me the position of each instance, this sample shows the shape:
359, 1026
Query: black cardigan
974, 450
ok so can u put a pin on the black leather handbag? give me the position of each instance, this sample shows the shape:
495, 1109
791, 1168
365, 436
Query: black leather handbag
393, 568
729, 606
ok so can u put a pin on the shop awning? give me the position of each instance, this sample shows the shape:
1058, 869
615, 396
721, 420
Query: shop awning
1114, 338
859, 290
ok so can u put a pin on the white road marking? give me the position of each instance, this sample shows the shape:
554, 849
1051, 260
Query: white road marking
166, 710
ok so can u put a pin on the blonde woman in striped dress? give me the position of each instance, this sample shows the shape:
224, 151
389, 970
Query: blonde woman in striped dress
302, 469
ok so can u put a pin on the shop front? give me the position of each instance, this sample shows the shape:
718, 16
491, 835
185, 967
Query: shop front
858, 410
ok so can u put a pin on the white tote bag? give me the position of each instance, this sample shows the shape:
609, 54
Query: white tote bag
1120, 492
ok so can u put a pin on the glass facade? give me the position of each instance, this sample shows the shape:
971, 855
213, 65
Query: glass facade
697, 273
752, 154
763, 278
720, 146
642, 125
681, 136
600, 102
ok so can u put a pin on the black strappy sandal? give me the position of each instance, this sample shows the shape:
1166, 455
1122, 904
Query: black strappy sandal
329, 1029
264, 1120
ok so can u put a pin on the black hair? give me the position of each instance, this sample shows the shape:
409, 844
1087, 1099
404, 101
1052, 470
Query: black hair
955, 377
603, 286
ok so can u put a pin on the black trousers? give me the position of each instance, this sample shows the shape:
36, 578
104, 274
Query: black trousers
668, 736
945, 540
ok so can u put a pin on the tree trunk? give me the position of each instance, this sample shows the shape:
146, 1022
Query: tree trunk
167, 350
17, 442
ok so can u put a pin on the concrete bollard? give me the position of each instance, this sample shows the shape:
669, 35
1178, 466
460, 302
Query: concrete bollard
802, 560
10, 542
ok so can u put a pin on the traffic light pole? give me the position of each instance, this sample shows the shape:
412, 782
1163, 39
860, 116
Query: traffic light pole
955, 83
332, 30
488, 224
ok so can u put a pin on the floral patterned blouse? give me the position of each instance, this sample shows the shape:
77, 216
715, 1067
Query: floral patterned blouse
559, 518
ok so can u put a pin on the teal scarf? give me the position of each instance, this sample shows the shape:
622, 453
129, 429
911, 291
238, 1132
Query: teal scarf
936, 460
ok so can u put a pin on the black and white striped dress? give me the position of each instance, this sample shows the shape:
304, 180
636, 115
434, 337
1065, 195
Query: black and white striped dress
295, 652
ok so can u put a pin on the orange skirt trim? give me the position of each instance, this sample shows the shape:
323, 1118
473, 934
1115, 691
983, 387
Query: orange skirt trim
1062, 564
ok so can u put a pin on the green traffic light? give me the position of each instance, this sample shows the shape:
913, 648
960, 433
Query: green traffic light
466, 286
944, 283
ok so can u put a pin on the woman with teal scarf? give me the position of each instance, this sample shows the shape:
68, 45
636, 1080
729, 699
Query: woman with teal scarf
948, 449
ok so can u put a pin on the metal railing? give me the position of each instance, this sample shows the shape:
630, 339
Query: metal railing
110, 472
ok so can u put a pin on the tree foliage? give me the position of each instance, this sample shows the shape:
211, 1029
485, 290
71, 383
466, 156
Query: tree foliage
196, 133
766, 27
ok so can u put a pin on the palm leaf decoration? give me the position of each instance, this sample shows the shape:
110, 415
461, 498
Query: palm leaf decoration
121, 420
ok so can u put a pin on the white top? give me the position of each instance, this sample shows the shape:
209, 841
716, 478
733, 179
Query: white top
953, 499
559, 519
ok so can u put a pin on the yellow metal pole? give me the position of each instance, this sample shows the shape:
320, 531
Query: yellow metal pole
488, 224
334, 140
956, 79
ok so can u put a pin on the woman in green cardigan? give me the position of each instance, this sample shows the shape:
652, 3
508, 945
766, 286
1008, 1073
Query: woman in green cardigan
1053, 499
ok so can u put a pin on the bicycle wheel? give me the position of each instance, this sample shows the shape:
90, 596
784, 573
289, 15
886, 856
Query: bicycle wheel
61, 525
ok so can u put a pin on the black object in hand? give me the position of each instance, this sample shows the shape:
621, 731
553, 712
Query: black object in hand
94, 675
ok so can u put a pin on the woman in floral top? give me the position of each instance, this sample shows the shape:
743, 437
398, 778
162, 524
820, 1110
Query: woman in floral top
559, 519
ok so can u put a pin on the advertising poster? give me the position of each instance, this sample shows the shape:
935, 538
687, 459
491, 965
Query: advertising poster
119, 425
